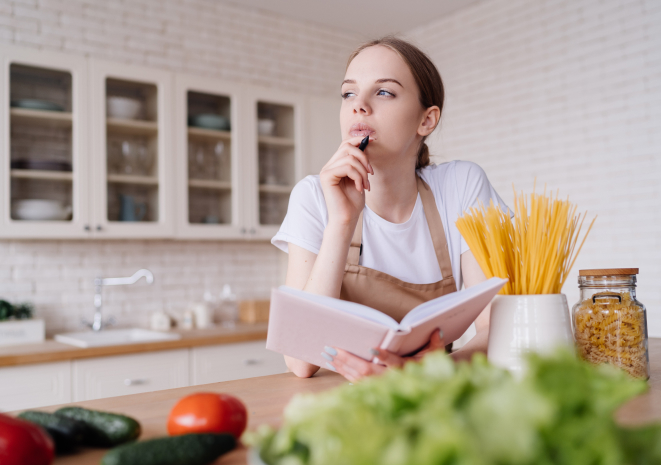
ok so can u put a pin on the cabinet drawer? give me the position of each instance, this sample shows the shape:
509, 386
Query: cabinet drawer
129, 374
234, 361
32, 386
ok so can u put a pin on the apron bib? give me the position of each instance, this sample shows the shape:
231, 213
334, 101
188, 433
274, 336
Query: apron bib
386, 293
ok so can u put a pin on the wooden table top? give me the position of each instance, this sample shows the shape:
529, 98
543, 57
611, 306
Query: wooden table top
267, 396
53, 351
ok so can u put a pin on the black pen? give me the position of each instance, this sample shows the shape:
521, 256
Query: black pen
364, 142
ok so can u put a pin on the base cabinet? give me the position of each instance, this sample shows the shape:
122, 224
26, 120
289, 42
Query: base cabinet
32, 386
96, 378
213, 364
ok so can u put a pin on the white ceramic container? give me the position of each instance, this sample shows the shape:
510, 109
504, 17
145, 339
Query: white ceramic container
14, 332
123, 107
527, 323
40, 209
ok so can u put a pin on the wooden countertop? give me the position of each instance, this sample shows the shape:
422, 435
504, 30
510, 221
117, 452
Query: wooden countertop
267, 396
53, 351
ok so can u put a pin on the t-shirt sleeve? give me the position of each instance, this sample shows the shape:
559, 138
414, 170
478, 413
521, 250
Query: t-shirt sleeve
305, 221
473, 189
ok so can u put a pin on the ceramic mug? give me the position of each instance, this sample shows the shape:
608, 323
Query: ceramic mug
527, 323
130, 210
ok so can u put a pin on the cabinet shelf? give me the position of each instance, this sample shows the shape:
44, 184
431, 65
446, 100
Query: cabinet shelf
132, 179
275, 189
50, 118
209, 133
210, 184
132, 126
276, 141
43, 175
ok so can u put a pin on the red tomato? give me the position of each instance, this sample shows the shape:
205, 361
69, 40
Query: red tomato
208, 412
23, 443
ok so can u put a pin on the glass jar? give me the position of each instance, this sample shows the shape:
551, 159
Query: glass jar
610, 325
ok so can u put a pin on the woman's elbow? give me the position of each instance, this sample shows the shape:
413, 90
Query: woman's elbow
300, 368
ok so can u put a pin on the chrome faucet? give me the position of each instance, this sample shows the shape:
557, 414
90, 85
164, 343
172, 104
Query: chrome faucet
98, 323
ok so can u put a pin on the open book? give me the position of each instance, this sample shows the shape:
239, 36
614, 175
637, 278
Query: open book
301, 324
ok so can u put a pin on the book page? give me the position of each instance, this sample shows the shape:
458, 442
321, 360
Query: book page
352, 308
446, 302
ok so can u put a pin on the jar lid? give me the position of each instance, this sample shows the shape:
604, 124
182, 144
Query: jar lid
609, 272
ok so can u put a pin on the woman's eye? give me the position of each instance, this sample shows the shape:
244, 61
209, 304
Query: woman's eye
346, 95
385, 93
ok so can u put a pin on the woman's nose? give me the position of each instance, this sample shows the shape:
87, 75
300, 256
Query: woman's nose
360, 106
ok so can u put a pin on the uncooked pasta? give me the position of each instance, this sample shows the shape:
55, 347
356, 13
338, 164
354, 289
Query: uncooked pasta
608, 330
535, 251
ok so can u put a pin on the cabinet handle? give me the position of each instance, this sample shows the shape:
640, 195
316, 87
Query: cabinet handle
135, 382
253, 361
243, 230
87, 227
252, 231
99, 227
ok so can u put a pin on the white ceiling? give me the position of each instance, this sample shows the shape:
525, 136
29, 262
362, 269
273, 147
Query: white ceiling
369, 18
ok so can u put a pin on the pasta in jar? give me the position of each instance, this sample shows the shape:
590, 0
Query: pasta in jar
610, 325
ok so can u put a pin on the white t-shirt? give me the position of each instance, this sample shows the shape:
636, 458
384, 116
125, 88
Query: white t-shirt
404, 250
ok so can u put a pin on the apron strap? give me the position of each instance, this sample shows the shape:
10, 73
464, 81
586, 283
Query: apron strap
435, 228
356, 243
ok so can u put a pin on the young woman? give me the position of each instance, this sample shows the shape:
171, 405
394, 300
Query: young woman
378, 227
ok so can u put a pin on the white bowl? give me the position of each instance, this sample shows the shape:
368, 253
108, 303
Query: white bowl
265, 127
40, 210
123, 107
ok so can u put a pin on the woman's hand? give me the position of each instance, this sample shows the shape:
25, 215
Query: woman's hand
344, 180
354, 368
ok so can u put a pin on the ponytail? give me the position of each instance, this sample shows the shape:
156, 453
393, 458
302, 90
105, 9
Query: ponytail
423, 156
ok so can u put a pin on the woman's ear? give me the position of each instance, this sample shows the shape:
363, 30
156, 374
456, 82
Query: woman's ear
429, 121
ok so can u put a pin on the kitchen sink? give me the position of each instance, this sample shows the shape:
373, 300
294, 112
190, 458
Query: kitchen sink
113, 337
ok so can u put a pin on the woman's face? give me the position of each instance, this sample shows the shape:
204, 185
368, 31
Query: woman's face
380, 97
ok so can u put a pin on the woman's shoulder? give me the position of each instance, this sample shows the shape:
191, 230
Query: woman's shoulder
460, 171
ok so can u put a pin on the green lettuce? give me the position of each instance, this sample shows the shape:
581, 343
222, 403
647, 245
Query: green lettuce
441, 413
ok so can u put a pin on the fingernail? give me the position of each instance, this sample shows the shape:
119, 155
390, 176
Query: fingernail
330, 350
330, 367
440, 333
371, 169
374, 352
327, 357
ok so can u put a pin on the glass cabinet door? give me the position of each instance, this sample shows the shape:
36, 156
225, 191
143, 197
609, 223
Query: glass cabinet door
42, 149
206, 158
276, 160
131, 114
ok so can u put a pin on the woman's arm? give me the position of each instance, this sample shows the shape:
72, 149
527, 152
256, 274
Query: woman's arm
473, 275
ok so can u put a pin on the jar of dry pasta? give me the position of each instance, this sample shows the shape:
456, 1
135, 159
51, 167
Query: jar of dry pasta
610, 325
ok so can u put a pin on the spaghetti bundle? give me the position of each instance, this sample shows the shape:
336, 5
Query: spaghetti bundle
535, 251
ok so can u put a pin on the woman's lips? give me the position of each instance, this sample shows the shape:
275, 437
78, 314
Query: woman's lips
361, 129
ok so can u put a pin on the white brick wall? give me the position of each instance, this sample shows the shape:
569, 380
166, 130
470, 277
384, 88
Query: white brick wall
568, 92
58, 276
194, 36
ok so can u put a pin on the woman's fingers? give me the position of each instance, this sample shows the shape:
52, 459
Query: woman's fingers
351, 168
353, 367
349, 147
388, 358
435, 343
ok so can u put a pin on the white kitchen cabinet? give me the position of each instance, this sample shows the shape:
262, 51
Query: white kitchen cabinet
44, 145
209, 161
213, 364
95, 378
274, 158
150, 174
131, 147
32, 386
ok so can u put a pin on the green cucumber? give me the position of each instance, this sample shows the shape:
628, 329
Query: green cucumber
104, 429
187, 449
67, 433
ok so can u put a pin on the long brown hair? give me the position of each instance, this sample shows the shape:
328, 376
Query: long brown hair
427, 77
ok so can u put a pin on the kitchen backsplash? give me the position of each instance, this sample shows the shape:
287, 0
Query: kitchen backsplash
58, 276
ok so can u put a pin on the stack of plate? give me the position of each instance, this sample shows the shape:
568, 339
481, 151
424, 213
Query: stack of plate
209, 121
35, 104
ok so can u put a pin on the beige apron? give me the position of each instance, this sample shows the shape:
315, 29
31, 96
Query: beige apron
386, 293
